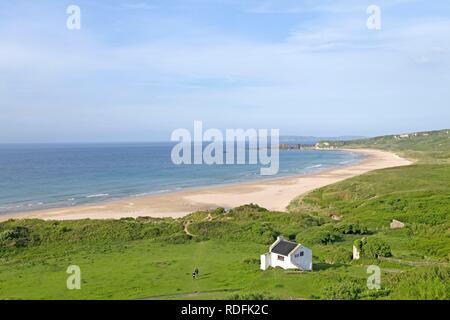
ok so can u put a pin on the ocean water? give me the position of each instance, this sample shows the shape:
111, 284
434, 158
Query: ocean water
35, 177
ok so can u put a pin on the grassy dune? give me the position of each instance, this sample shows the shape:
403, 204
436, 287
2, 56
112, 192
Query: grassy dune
154, 258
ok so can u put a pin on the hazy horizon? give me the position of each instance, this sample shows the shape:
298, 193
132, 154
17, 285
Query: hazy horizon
283, 139
137, 70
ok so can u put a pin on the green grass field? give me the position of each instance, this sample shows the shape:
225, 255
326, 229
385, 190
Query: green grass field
144, 270
153, 258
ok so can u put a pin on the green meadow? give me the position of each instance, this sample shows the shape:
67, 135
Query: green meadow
149, 258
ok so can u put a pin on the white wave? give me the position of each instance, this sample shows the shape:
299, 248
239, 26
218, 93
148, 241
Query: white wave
35, 204
151, 193
98, 195
142, 194
315, 166
162, 191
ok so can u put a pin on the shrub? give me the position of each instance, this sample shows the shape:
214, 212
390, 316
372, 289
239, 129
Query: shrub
318, 236
251, 261
226, 230
344, 290
219, 211
15, 237
334, 255
178, 238
352, 229
373, 247
7, 235
250, 207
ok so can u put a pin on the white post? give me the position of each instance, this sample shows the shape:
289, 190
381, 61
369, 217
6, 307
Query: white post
356, 254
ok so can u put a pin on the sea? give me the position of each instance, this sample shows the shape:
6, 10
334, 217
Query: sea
43, 176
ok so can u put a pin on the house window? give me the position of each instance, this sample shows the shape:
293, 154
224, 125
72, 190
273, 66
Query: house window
302, 253
281, 258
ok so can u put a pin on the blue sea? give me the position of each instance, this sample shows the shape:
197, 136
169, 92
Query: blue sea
35, 177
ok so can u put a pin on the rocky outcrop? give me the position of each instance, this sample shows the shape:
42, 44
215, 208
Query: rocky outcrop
395, 224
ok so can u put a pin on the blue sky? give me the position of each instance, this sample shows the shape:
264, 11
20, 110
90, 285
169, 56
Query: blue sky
137, 70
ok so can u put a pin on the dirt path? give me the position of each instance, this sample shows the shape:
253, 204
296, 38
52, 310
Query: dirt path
414, 263
188, 223
186, 230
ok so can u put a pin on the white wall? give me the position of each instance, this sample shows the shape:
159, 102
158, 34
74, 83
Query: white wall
303, 262
286, 264
265, 261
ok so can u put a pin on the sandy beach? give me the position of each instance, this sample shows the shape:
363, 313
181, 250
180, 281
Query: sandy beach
273, 194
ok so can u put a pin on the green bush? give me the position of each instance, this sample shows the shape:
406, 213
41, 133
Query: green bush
319, 235
178, 238
373, 247
344, 290
15, 237
7, 235
228, 230
334, 255
249, 208
352, 229
219, 211
251, 261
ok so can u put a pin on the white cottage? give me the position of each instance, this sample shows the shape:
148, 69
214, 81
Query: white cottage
287, 255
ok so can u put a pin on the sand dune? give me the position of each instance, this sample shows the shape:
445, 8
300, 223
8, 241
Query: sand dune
273, 194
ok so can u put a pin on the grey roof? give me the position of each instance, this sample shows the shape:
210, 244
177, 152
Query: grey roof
284, 247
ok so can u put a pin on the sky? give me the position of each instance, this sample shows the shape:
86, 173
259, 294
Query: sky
137, 70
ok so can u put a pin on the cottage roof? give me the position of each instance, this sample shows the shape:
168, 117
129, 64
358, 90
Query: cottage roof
284, 247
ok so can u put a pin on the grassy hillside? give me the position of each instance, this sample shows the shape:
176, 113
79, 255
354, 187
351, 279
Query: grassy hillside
418, 195
154, 258
151, 258
424, 147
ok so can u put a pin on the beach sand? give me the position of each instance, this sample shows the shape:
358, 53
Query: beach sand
274, 194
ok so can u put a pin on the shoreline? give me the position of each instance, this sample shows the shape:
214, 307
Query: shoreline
273, 193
